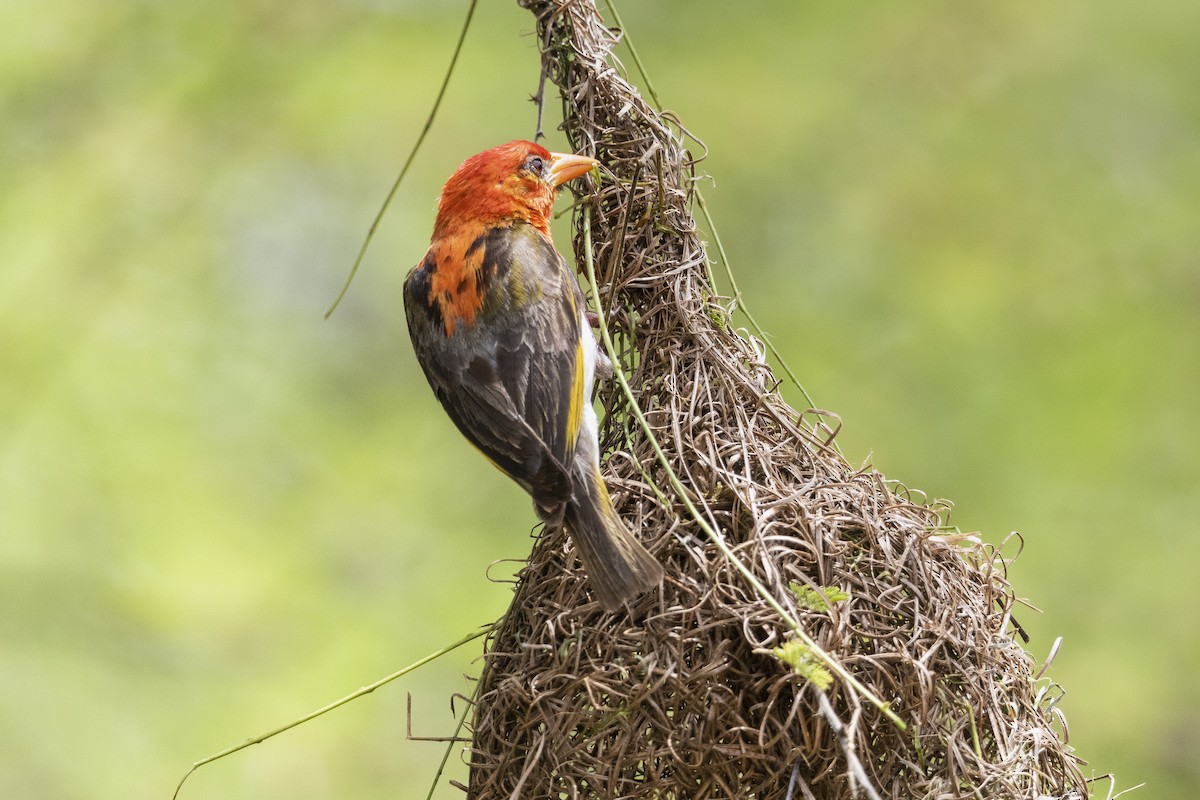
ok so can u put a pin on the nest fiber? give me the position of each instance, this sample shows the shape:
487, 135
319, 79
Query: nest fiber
691, 694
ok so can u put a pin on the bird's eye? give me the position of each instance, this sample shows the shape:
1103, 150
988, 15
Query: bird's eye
535, 164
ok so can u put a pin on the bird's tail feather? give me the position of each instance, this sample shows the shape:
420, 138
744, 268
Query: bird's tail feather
619, 568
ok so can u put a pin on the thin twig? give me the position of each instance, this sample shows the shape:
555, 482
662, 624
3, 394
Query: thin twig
846, 742
412, 155
462, 720
335, 704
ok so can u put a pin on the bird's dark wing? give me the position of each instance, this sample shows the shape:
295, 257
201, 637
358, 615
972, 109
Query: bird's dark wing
512, 379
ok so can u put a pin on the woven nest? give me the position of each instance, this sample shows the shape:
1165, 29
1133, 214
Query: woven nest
685, 697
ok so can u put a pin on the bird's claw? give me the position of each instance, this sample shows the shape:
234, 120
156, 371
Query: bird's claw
604, 366
616, 315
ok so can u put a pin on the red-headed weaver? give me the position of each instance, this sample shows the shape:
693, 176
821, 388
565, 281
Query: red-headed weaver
499, 326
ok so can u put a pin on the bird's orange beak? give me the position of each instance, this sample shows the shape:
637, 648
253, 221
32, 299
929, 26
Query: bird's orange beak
565, 166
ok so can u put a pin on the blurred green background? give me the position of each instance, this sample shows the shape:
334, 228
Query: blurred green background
972, 228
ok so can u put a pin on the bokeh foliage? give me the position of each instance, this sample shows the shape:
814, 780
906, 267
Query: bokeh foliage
971, 228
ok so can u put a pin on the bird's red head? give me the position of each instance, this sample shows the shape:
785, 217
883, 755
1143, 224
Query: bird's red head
510, 183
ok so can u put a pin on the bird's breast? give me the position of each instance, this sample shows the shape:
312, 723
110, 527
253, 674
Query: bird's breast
457, 280
486, 274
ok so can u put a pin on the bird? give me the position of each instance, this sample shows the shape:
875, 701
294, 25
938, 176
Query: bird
500, 328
